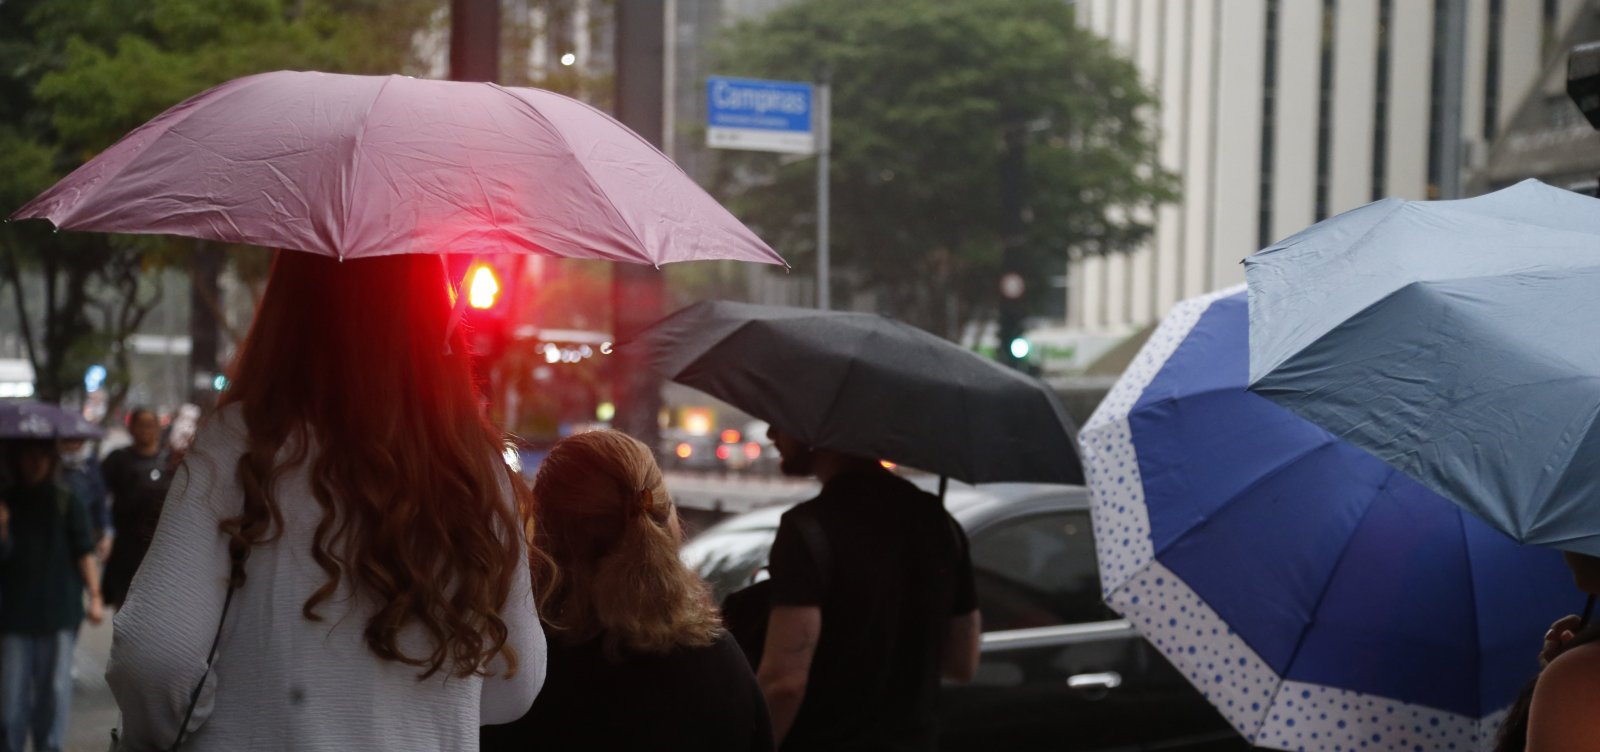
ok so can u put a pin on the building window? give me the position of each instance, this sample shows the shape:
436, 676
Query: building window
1380, 103
1269, 116
1330, 13
1491, 71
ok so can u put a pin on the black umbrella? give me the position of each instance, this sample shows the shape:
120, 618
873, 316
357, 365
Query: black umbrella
870, 386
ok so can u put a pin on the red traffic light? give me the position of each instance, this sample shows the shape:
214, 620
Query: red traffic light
483, 287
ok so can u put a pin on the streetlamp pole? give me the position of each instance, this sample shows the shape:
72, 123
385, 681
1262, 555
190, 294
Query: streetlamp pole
1454, 60
637, 291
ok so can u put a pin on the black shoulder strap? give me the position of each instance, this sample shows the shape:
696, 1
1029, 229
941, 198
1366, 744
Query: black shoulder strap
194, 697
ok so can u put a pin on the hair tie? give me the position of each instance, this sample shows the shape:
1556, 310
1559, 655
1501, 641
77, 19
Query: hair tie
647, 499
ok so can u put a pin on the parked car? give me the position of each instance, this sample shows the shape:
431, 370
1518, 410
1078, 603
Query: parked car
681, 450
1059, 670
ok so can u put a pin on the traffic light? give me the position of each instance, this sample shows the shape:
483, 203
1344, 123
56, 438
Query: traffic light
1013, 347
1019, 347
483, 287
487, 316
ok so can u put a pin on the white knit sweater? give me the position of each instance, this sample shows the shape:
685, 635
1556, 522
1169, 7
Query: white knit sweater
282, 682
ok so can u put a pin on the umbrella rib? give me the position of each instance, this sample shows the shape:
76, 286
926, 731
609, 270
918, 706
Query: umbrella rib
348, 188
632, 232
1472, 592
838, 390
665, 343
1254, 261
1283, 677
1365, 238
1243, 491
1567, 465
1323, 593
178, 119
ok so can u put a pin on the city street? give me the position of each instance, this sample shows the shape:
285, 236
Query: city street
1159, 374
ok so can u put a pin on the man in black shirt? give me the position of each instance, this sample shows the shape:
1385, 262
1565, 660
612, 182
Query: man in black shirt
873, 603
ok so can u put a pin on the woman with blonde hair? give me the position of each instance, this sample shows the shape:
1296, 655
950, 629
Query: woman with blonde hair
340, 563
638, 658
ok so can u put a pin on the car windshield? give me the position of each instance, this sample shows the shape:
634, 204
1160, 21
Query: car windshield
729, 559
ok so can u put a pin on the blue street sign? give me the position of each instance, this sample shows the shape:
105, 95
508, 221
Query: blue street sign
755, 115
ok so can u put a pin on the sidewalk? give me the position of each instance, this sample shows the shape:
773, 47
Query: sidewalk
94, 712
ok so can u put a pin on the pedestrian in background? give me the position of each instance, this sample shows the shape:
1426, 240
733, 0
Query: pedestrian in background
138, 477
80, 470
869, 610
344, 528
638, 659
47, 543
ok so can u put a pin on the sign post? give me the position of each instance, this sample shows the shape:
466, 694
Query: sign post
824, 146
789, 117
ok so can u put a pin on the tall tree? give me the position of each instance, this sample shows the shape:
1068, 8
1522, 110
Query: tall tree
930, 100
77, 74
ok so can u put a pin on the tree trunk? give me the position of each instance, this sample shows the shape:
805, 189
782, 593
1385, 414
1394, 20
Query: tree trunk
637, 292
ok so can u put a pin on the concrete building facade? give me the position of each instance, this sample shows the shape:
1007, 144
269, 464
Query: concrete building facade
1279, 113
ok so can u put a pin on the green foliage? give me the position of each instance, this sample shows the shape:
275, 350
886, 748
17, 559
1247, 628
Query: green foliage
924, 93
75, 75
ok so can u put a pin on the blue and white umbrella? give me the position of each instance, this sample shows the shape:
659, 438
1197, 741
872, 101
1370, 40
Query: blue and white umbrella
1321, 599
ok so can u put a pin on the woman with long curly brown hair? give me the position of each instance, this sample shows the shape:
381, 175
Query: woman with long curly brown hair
348, 510
638, 658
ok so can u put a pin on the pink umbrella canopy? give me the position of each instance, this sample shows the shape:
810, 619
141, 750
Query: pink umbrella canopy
358, 166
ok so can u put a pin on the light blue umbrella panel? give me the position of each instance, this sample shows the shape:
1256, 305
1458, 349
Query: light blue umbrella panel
1321, 599
1456, 340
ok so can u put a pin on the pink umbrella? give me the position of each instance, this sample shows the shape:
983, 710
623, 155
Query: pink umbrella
356, 166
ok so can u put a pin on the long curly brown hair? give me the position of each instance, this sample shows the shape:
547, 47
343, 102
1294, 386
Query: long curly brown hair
346, 367
606, 521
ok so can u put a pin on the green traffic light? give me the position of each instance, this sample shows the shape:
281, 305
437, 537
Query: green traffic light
1020, 348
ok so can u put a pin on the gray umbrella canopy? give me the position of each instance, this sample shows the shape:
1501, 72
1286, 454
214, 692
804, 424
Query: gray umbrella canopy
1454, 340
871, 386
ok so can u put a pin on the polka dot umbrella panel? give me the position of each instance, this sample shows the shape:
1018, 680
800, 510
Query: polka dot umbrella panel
1320, 599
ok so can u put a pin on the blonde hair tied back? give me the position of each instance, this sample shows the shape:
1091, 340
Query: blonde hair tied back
607, 521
